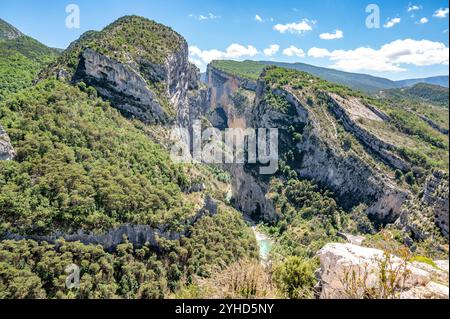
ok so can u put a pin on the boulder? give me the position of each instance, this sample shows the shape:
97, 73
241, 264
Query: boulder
352, 271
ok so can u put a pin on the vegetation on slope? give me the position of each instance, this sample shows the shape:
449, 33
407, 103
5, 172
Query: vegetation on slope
7, 31
21, 58
128, 37
81, 165
248, 69
252, 70
415, 140
29, 269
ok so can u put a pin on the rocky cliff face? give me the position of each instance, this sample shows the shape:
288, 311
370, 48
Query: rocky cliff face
138, 235
349, 111
420, 216
6, 150
231, 100
150, 92
317, 157
147, 77
351, 271
435, 195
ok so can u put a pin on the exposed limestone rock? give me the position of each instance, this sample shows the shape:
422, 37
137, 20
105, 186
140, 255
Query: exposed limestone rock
349, 271
349, 110
420, 216
250, 194
138, 235
352, 239
352, 179
436, 195
154, 93
121, 84
6, 150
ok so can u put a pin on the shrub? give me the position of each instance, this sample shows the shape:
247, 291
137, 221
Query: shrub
295, 277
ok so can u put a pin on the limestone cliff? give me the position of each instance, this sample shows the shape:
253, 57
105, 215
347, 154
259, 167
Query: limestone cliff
420, 216
138, 235
351, 271
354, 177
145, 76
6, 150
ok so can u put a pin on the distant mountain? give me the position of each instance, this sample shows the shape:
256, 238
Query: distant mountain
357, 81
421, 92
436, 80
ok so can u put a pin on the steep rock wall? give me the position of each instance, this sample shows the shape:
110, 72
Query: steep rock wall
6, 150
351, 271
154, 93
340, 108
138, 235
352, 179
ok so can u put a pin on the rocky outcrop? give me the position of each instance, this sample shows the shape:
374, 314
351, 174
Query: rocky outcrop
121, 84
348, 111
351, 271
6, 150
153, 93
8, 32
433, 124
425, 216
138, 235
351, 178
249, 194
435, 195
231, 98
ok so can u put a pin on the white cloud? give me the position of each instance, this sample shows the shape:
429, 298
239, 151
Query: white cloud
338, 34
441, 13
299, 27
413, 7
293, 51
318, 53
201, 17
260, 19
234, 51
392, 22
389, 58
271, 50
422, 21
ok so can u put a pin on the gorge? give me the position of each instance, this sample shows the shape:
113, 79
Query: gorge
86, 173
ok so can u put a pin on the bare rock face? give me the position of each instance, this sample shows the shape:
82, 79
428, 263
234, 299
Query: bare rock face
419, 216
6, 150
436, 195
250, 194
8, 32
153, 93
349, 111
138, 235
121, 84
351, 271
350, 177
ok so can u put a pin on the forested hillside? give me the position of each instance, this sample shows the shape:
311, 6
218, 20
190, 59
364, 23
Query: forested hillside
21, 58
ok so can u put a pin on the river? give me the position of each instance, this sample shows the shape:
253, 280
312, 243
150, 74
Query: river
264, 243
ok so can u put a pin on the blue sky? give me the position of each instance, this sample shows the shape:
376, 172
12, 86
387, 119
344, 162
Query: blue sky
412, 40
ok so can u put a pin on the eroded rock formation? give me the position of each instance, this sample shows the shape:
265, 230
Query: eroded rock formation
351, 271
317, 158
6, 150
